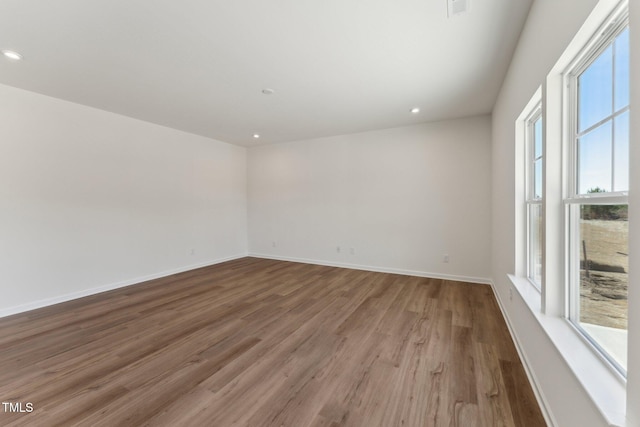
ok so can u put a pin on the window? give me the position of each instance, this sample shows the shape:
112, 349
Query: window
571, 212
597, 179
534, 170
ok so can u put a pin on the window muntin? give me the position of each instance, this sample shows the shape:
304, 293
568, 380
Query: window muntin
621, 70
621, 152
602, 116
597, 205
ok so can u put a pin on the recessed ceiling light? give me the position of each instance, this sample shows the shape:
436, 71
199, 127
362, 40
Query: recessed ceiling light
415, 110
268, 91
12, 55
256, 135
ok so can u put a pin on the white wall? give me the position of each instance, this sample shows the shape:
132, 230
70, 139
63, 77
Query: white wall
633, 374
400, 197
550, 27
90, 200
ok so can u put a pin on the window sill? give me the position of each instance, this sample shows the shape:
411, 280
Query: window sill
605, 387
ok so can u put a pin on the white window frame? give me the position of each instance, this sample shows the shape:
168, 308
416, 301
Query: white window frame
603, 38
524, 191
531, 200
604, 384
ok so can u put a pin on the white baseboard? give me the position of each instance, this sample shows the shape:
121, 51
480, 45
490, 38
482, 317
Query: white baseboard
96, 290
542, 401
457, 278
92, 291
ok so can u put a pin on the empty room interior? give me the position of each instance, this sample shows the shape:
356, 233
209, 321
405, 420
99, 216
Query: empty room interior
319, 213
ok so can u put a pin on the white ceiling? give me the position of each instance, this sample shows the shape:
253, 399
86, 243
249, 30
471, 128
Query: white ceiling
337, 66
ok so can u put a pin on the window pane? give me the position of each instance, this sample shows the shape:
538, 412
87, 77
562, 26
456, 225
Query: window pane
594, 160
535, 243
595, 91
537, 138
537, 186
604, 263
621, 153
622, 70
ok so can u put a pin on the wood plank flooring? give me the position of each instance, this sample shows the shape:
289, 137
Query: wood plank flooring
256, 342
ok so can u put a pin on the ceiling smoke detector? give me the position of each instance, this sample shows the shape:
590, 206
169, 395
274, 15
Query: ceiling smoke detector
457, 7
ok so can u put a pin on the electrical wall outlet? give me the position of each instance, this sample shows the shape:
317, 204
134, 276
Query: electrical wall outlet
338, 249
352, 251
445, 258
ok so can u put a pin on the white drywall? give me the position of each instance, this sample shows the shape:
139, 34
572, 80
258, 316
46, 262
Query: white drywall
90, 200
633, 373
401, 198
550, 27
